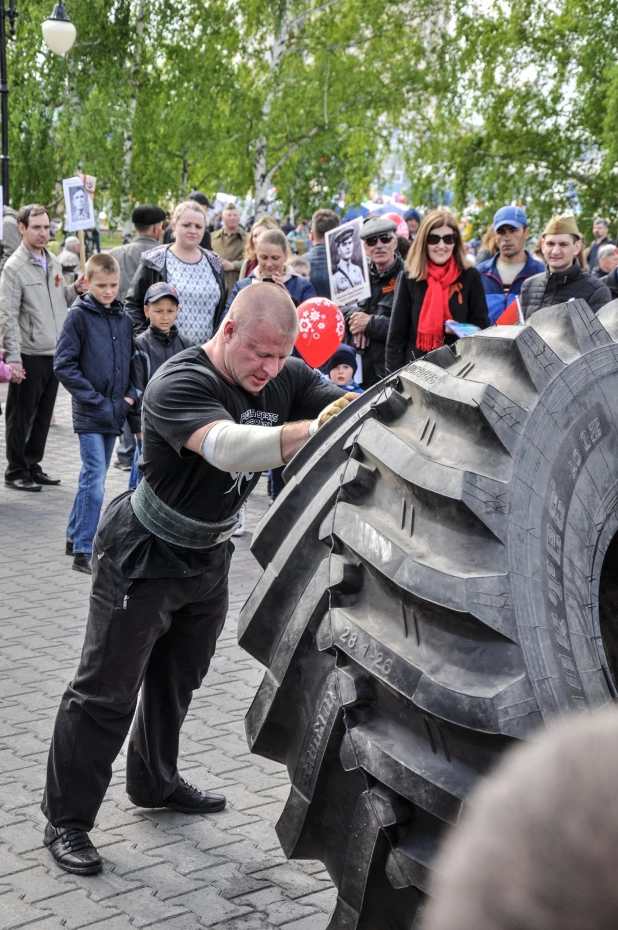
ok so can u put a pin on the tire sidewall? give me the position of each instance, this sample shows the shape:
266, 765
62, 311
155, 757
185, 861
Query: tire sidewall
562, 518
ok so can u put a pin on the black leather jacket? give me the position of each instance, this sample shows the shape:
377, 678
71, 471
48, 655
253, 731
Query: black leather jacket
611, 281
550, 288
379, 306
152, 268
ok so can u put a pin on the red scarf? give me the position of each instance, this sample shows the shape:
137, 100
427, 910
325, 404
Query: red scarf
435, 310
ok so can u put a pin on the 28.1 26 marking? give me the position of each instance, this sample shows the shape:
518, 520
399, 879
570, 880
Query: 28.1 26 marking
354, 646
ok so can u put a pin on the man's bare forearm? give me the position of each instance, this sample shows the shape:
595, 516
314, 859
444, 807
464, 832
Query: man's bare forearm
293, 437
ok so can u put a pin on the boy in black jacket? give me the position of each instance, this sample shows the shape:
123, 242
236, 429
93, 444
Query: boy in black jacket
152, 348
93, 361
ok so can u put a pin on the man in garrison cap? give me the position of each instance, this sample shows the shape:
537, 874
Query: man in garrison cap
346, 274
564, 278
147, 219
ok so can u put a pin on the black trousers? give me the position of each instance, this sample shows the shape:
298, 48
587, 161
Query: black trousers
156, 634
29, 409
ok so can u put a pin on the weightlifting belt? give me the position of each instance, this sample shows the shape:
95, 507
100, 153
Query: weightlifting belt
174, 527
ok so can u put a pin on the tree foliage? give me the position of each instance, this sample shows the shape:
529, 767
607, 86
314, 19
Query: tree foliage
526, 109
158, 97
501, 100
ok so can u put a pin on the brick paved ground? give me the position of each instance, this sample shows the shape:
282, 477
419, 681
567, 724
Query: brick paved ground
166, 870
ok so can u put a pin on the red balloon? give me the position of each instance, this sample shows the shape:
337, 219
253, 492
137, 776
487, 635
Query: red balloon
400, 223
322, 329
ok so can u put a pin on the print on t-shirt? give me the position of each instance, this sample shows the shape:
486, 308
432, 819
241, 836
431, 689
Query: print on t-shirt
251, 417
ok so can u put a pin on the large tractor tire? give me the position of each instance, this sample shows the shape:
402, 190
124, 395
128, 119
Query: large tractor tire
440, 578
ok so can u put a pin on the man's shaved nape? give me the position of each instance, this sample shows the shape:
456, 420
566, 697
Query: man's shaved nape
265, 303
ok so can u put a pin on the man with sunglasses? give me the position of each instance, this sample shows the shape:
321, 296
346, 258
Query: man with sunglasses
368, 321
504, 274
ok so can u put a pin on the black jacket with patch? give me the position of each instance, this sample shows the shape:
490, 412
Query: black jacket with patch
556, 287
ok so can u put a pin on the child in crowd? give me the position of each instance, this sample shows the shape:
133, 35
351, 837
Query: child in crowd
341, 369
152, 348
93, 361
6, 373
300, 265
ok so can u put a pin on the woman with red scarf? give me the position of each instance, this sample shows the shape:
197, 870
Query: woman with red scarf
437, 285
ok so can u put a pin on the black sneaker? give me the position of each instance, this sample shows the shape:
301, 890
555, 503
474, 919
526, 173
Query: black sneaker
121, 466
41, 478
187, 799
68, 547
81, 563
72, 850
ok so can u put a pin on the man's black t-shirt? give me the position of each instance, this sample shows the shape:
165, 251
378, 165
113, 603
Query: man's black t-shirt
185, 394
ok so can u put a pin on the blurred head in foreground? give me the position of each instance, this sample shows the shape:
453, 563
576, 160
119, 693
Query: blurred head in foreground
538, 848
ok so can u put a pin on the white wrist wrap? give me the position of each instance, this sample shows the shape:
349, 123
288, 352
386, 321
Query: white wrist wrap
232, 447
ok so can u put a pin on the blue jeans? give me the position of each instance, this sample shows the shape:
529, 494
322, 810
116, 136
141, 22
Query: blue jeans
95, 450
136, 473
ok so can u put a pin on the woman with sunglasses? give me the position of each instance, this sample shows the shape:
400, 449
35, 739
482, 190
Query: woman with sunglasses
437, 285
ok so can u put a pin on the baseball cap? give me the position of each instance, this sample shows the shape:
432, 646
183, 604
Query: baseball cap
199, 197
161, 289
412, 215
510, 216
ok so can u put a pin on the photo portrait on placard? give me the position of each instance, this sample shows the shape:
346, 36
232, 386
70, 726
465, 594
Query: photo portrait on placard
78, 204
347, 264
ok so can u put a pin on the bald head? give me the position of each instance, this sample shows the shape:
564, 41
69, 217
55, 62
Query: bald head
266, 304
256, 337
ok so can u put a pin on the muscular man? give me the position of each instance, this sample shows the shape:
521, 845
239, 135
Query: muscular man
214, 418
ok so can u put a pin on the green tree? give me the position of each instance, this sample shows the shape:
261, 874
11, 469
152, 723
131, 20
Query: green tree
524, 110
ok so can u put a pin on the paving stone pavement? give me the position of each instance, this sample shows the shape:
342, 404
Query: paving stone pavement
161, 869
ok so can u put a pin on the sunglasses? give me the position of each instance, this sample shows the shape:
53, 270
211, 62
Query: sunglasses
434, 238
373, 240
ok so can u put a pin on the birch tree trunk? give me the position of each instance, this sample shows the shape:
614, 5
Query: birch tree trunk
262, 176
127, 161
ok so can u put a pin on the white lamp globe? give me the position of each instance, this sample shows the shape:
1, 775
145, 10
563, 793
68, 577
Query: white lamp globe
58, 31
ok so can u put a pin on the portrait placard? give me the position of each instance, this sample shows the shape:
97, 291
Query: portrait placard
78, 204
348, 268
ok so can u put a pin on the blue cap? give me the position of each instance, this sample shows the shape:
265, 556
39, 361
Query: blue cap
412, 215
160, 289
510, 216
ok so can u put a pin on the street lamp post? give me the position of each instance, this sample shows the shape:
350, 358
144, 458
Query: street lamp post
59, 34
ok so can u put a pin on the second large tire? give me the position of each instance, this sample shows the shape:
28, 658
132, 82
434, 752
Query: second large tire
439, 579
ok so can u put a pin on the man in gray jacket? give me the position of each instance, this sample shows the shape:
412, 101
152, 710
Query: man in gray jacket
33, 307
10, 235
147, 220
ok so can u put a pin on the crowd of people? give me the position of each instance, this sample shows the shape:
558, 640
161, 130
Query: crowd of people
421, 277
212, 313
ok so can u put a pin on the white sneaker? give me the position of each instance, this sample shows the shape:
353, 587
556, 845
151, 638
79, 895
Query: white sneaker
240, 530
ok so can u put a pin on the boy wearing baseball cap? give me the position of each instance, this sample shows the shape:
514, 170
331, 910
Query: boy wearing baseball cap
152, 348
